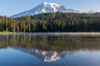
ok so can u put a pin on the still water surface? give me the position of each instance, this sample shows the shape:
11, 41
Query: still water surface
49, 50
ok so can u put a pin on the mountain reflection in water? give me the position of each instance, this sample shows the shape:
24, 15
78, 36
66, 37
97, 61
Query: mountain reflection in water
48, 48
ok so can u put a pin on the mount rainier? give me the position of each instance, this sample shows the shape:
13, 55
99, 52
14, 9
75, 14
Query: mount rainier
44, 7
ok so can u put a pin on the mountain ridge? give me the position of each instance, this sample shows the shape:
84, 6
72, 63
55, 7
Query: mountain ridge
44, 7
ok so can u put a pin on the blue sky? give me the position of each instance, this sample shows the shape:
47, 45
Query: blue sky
11, 7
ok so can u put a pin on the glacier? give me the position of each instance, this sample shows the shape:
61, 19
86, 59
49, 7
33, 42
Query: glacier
44, 7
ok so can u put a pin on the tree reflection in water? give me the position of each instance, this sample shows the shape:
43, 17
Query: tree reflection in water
48, 48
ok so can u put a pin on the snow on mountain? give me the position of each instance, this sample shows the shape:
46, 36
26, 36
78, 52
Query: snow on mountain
44, 7
91, 12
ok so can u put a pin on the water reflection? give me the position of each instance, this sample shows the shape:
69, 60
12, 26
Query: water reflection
48, 48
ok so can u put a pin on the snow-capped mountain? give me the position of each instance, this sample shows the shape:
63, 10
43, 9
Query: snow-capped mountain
44, 7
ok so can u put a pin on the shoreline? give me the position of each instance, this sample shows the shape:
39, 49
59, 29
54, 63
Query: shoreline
56, 33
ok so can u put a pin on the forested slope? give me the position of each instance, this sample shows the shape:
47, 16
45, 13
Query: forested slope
56, 22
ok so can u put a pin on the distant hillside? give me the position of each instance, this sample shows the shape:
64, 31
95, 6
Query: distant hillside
52, 22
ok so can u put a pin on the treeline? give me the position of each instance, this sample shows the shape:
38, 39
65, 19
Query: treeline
52, 22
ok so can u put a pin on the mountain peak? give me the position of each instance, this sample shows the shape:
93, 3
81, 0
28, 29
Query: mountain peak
46, 3
44, 7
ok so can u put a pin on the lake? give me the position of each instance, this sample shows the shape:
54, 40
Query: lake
28, 49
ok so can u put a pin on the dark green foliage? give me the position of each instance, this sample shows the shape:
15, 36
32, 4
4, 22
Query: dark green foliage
52, 22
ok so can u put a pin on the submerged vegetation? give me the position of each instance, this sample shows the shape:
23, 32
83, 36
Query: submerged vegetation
56, 22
